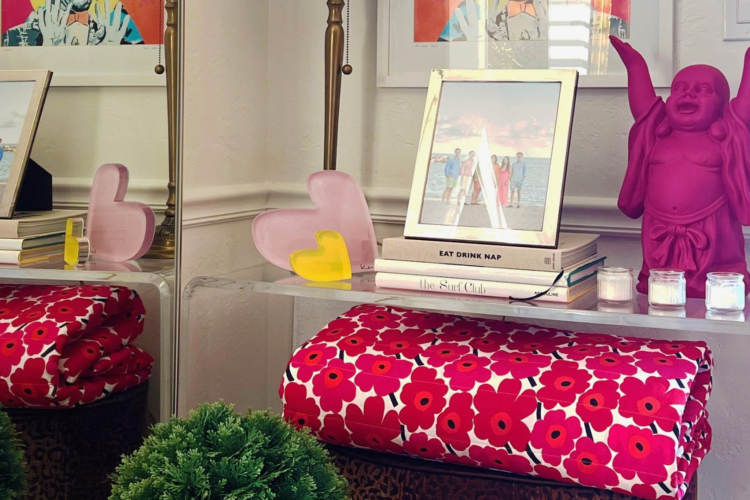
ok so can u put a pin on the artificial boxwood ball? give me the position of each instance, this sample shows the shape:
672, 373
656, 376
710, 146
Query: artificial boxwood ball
216, 453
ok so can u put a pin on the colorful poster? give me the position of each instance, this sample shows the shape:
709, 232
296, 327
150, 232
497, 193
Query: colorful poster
436, 20
33, 23
615, 14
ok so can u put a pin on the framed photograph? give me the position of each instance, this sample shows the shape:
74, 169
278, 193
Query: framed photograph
492, 157
416, 36
22, 95
84, 42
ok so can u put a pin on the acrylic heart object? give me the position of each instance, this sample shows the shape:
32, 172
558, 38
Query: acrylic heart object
76, 250
117, 230
341, 207
328, 262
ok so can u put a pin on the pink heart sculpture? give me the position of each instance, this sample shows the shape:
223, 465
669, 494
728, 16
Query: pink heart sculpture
341, 207
117, 230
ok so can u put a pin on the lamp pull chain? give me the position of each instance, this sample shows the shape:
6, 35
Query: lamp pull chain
347, 69
159, 69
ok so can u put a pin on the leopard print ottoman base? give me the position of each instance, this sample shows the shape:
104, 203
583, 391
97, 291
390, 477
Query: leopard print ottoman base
71, 453
380, 476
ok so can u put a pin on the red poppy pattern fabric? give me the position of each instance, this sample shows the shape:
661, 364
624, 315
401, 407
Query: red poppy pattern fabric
625, 414
63, 346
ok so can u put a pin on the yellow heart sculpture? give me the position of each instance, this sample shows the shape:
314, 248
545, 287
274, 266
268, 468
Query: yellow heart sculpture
328, 262
76, 245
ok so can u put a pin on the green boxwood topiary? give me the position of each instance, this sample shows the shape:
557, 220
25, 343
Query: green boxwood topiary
217, 454
12, 467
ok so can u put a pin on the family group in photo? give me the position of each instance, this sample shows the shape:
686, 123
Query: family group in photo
508, 179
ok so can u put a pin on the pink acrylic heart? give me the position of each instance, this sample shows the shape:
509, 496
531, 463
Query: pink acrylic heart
341, 207
117, 230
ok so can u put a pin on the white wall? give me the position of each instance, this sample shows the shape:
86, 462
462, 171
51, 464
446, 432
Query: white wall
83, 127
281, 126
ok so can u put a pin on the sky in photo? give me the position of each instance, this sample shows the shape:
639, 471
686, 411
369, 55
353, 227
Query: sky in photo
14, 104
518, 117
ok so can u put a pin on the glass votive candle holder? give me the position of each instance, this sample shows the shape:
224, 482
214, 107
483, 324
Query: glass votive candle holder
615, 284
725, 292
667, 288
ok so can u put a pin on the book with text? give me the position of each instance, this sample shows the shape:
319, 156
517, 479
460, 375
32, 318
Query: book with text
514, 291
573, 248
571, 277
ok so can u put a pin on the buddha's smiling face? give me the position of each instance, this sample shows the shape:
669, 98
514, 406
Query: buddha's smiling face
699, 94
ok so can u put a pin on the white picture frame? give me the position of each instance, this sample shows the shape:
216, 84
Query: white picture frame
546, 235
736, 20
396, 48
97, 66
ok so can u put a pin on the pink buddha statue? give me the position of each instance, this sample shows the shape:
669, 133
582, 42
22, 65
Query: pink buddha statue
688, 171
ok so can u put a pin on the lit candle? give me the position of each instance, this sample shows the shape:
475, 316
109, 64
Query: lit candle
615, 284
725, 292
667, 288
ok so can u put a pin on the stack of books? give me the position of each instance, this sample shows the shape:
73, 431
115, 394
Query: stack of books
561, 275
33, 239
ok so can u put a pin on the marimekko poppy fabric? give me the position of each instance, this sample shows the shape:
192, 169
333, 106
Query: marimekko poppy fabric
63, 346
618, 413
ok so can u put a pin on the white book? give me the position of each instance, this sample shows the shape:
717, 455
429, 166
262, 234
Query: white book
571, 277
572, 248
18, 244
515, 291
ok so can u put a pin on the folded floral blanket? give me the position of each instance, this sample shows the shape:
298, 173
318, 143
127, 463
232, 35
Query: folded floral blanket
63, 346
619, 413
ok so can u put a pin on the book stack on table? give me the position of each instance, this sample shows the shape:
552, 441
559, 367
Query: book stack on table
35, 238
561, 274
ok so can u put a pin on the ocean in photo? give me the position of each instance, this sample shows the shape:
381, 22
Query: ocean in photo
534, 187
5, 165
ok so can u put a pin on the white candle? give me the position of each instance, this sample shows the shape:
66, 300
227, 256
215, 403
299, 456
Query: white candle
725, 292
615, 284
667, 288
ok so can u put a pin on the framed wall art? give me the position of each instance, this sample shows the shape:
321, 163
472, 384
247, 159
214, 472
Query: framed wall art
492, 157
22, 95
84, 42
416, 36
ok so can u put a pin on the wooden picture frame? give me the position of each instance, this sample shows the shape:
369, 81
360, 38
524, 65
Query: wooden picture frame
29, 89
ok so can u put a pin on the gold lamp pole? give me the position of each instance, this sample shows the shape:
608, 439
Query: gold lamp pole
334, 61
163, 246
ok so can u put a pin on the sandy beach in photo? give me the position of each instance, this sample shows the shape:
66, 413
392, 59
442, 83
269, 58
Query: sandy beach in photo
525, 218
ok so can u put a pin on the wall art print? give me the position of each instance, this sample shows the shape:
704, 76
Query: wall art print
68, 37
446, 20
415, 36
33, 23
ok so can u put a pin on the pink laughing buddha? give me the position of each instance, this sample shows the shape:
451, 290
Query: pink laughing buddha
688, 171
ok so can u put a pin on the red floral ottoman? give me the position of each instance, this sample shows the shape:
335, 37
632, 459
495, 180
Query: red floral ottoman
63, 346
618, 413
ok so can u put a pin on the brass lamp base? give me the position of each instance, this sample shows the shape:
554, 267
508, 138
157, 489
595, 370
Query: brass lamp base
163, 246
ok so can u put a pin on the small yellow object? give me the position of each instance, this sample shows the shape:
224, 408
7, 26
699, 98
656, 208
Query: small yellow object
328, 262
76, 245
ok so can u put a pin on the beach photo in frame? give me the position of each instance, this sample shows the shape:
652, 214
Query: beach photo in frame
22, 95
492, 157
416, 36
84, 42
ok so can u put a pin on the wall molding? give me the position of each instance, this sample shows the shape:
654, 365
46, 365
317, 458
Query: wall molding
223, 204
72, 193
216, 205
